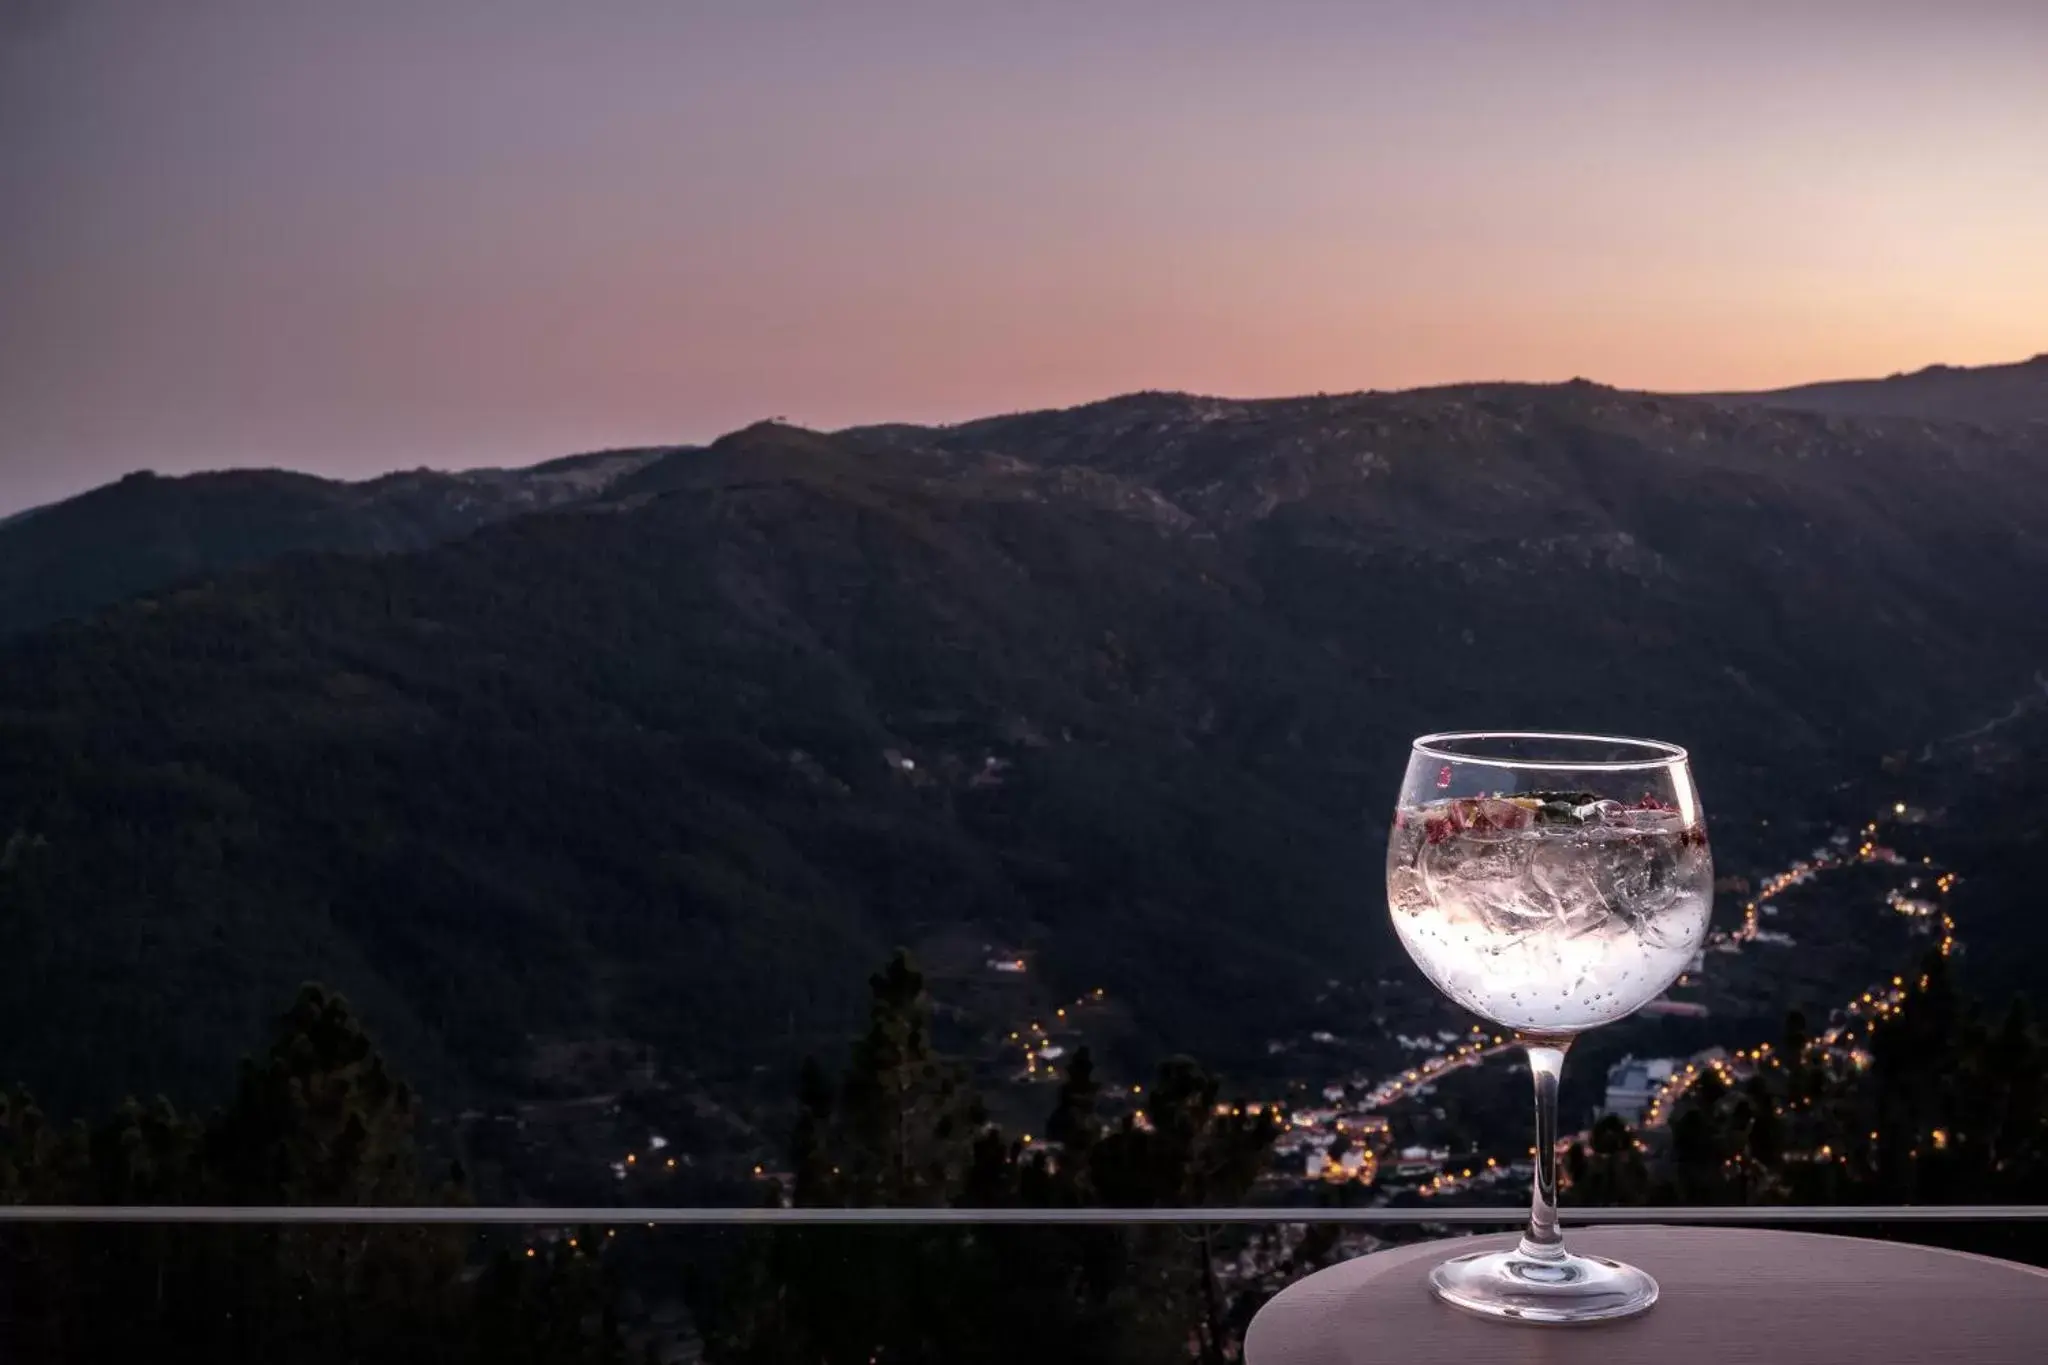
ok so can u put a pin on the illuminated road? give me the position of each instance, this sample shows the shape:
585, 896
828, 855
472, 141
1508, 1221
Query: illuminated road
1860, 1014
1880, 1001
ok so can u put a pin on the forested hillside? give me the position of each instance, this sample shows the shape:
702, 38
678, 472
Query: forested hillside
1130, 684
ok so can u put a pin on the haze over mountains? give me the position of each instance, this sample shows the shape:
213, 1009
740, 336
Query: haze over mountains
672, 746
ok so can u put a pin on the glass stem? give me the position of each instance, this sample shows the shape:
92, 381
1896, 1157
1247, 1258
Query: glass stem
1546, 1063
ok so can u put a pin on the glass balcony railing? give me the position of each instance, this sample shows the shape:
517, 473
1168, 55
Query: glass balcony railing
761, 1285
1741, 1215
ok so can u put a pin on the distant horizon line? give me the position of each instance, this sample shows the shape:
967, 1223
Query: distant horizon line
8, 514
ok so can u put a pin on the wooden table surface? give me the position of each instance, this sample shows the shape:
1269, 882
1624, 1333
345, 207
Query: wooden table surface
1729, 1295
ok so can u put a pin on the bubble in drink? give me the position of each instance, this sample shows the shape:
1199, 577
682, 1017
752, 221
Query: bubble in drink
1549, 914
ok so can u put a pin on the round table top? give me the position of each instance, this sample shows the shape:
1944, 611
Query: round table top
1728, 1295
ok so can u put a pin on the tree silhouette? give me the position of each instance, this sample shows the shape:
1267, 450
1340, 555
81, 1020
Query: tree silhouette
903, 1126
1931, 1104
908, 1116
317, 1118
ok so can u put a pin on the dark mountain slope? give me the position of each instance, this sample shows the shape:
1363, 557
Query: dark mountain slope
1735, 534
1956, 393
147, 532
1132, 683
625, 772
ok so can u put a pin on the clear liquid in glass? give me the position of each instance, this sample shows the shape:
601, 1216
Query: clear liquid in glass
1549, 913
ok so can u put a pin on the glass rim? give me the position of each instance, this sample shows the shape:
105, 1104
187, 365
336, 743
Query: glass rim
1657, 753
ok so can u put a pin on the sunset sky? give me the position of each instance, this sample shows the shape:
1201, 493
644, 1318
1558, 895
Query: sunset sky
353, 235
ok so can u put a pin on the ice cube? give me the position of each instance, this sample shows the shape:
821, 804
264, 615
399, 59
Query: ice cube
1464, 859
1557, 872
1603, 812
1657, 819
1500, 860
1642, 879
1495, 814
1663, 886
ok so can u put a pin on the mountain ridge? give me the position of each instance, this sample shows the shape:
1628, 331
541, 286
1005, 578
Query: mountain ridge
2014, 392
147, 531
1126, 685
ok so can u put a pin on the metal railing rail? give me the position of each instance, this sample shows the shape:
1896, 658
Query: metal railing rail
1746, 1215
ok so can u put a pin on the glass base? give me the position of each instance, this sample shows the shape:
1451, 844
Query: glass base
1524, 1288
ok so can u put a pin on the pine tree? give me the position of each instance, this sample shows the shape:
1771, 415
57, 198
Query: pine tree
1940, 1106
553, 1307
905, 1127
1611, 1171
41, 1298
318, 1118
814, 1181
907, 1115
901, 1131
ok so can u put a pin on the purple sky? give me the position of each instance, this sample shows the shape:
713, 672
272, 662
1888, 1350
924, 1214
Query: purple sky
352, 235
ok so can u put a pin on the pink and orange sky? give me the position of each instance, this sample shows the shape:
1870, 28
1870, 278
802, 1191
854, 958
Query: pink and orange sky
348, 237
